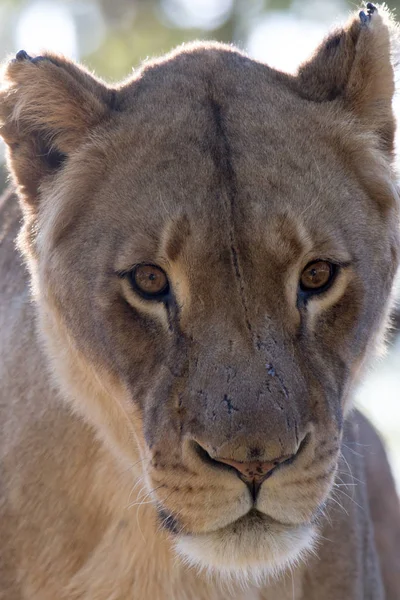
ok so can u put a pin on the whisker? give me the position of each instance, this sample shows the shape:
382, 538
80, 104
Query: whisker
351, 450
326, 539
352, 476
324, 512
358, 444
139, 480
339, 505
142, 502
352, 499
139, 527
133, 466
345, 484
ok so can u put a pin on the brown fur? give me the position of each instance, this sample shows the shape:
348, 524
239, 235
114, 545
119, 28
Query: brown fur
231, 177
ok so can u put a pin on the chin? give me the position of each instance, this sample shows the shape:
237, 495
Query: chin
249, 551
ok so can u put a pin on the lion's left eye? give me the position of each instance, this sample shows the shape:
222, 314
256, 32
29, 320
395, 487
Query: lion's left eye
149, 280
317, 276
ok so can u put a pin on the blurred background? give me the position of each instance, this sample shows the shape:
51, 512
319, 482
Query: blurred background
112, 37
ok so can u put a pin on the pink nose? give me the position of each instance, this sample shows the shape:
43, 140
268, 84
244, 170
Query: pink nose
253, 471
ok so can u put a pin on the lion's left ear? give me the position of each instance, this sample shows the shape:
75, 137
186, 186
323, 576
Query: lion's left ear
353, 66
48, 106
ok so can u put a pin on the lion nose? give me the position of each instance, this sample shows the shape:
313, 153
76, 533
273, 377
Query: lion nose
252, 473
256, 470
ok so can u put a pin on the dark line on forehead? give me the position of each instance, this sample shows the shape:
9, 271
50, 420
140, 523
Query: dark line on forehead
222, 157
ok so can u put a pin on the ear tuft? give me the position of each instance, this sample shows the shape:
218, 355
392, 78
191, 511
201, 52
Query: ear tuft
48, 105
353, 67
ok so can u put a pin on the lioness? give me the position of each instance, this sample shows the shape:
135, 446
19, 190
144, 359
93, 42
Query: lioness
211, 248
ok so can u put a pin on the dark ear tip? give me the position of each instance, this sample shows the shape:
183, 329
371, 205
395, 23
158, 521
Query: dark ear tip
22, 55
371, 9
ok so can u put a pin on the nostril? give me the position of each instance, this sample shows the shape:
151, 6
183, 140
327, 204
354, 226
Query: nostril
252, 472
203, 454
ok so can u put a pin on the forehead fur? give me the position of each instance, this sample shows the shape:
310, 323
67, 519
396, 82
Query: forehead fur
340, 98
207, 116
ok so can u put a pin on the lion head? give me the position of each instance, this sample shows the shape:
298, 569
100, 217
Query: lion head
212, 246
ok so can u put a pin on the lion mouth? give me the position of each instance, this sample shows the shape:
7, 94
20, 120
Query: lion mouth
253, 519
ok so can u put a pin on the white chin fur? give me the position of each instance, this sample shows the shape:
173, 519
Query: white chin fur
249, 551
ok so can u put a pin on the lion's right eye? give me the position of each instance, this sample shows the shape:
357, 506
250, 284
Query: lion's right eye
150, 281
317, 277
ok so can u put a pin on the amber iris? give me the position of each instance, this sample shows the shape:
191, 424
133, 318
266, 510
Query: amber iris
150, 280
316, 275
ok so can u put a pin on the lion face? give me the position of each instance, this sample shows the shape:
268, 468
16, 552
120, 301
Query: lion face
212, 265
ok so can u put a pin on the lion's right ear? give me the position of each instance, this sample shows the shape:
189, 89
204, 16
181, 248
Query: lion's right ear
354, 68
48, 105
